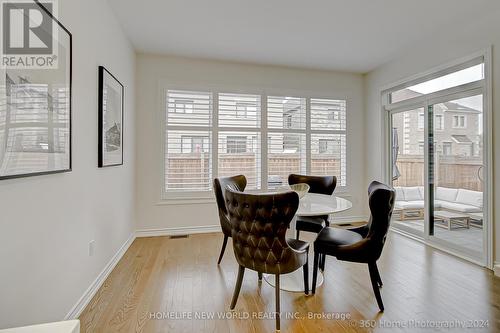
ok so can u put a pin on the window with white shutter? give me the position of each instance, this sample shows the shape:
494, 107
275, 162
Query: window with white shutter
286, 141
328, 138
217, 134
239, 151
188, 158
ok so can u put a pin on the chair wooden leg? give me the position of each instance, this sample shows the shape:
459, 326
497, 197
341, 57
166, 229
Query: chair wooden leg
322, 262
315, 272
223, 249
372, 267
260, 276
379, 279
277, 288
305, 268
237, 288
298, 234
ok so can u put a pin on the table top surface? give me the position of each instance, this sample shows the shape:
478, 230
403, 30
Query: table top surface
313, 204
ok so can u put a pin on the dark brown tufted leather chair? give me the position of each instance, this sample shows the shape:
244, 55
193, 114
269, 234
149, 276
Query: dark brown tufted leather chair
321, 185
259, 224
362, 245
318, 184
237, 183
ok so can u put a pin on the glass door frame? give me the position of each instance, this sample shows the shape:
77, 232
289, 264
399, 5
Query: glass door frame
426, 102
390, 170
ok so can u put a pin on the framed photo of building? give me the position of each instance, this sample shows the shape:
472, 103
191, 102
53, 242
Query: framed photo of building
111, 93
35, 92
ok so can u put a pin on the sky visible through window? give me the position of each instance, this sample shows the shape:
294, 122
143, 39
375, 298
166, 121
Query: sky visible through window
471, 74
467, 75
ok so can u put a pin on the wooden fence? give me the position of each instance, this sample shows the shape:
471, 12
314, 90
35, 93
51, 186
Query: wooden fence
184, 170
454, 172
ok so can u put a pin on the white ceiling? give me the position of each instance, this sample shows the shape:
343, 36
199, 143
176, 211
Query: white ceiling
347, 35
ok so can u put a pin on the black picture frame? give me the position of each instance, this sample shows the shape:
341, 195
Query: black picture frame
103, 160
69, 168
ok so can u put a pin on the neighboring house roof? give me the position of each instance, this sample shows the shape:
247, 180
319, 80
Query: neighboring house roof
448, 106
461, 138
455, 107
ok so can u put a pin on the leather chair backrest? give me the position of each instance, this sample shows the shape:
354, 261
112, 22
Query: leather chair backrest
318, 184
381, 201
259, 224
236, 183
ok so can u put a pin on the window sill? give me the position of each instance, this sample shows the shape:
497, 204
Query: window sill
185, 201
211, 200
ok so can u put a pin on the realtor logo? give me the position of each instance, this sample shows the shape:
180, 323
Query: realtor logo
28, 34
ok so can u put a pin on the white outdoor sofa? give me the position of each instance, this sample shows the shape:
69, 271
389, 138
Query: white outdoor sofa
410, 201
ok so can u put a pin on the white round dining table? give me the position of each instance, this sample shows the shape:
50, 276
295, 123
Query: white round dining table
312, 204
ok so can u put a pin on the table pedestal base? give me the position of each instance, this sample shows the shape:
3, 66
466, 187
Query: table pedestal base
294, 282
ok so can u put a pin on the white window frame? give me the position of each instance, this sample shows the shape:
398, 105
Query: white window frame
484, 87
440, 116
420, 121
241, 138
458, 125
183, 137
448, 144
176, 198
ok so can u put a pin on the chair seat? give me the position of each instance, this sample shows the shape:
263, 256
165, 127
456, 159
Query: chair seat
311, 223
330, 239
297, 244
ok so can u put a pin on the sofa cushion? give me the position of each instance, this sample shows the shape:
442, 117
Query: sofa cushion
412, 193
468, 197
458, 207
446, 194
400, 195
438, 203
416, 204
422, 192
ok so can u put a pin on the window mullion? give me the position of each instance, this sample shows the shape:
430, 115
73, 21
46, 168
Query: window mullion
308, 136
263, 143
215, 135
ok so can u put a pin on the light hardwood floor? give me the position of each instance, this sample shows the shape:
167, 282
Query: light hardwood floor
159, 278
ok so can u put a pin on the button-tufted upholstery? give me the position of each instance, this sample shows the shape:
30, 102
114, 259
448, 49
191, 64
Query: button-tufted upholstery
236, 183
362, 245
321, 185
259, 226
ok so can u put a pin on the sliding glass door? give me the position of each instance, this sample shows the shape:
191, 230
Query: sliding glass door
457, 173
438, 152
408, 169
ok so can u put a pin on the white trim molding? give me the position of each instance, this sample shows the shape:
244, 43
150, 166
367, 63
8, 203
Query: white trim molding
496, 269
77, 309
205, 229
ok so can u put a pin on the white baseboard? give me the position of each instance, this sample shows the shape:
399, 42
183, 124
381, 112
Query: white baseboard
496, 269
216, 228
178, 231
77, 309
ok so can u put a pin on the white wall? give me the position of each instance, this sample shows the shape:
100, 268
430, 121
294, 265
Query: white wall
444, 46
47, 221
152, 69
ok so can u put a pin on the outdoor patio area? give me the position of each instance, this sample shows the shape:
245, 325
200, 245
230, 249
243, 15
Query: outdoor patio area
470, 239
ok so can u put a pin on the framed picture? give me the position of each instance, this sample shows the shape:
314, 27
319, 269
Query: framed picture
110, 119
35, 93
